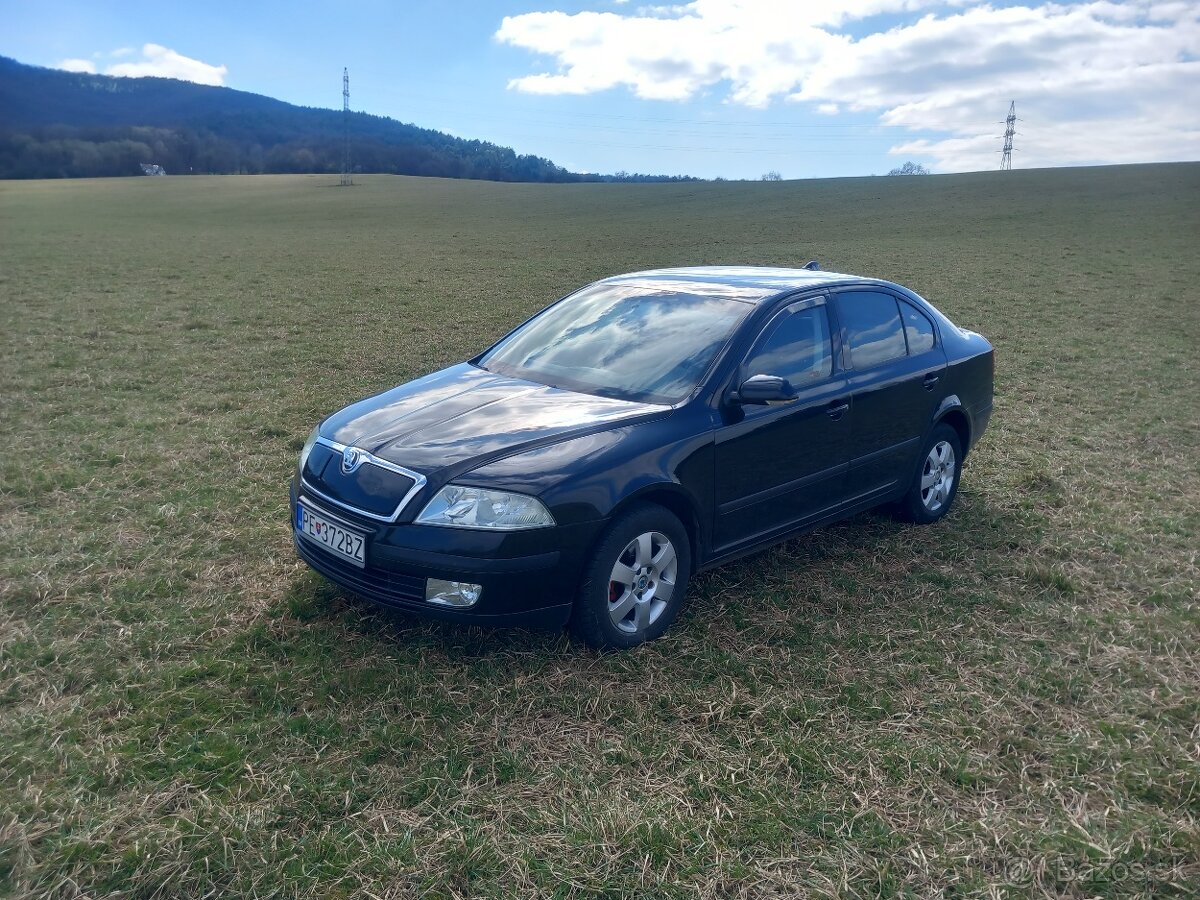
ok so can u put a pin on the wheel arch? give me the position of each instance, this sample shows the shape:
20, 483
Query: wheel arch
952, 413
676, 501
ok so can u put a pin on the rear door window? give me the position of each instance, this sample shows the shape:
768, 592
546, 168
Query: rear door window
873, 327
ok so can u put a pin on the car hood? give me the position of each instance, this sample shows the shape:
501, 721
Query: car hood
464, 416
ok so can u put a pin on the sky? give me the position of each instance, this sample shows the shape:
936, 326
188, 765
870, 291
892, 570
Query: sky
712, 88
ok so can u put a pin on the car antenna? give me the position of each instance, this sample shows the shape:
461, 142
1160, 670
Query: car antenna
813, 266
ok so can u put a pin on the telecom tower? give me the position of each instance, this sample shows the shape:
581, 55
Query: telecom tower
1009, 130
346, 179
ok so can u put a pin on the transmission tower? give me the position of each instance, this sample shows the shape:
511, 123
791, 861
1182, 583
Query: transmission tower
346, 179
1009, 130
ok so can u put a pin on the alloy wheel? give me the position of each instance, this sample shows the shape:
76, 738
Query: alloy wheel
937, 476
642, 582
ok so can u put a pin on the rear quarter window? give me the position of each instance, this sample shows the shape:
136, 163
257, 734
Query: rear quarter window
917, 328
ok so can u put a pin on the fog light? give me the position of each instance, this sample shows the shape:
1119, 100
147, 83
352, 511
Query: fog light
452, 593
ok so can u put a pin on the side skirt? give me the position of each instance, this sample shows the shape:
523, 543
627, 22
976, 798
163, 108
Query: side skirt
778, 536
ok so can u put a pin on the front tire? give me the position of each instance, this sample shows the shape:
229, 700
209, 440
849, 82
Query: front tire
935, 485
634, 585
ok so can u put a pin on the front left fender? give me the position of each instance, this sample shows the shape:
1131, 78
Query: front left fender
589, 477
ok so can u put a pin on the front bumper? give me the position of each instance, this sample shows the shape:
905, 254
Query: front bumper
529, 578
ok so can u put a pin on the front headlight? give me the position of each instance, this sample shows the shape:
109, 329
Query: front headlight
308, 445
468, 507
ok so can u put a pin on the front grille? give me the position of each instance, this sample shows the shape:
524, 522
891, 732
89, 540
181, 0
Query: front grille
381, 585
370, 487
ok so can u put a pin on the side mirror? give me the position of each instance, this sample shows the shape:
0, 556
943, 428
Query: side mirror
764, 389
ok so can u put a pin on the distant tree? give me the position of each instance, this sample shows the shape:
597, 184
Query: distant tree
910, 168
772, 176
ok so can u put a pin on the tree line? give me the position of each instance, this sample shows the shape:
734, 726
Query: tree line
60, 151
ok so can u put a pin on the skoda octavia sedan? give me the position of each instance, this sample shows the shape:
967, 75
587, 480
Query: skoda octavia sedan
639, 430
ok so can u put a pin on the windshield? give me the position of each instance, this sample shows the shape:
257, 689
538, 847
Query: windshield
628, 341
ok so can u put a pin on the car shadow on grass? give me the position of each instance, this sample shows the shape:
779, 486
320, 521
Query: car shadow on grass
310, 598
869, 572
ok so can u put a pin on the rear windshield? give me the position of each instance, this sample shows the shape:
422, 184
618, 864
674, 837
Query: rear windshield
620, 340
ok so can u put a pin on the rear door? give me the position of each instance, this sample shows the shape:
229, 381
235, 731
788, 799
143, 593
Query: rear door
895, 381
784, 463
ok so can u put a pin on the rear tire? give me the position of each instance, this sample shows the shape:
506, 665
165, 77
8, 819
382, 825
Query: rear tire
935, 484
634, 585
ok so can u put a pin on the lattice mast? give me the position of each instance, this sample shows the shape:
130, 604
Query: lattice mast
1010, 128
346, 179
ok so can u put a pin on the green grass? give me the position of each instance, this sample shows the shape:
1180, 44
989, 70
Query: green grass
1006, 703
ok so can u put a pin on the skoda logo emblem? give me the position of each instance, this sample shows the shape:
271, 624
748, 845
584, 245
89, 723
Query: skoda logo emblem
352, 458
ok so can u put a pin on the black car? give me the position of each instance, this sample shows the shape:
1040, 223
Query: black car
639, 430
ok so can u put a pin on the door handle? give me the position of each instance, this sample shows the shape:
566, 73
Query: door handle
837, 408
930, 380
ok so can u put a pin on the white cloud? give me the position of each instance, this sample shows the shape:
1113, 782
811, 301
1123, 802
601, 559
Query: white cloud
672, 55
163, 62
1093, 81
78, 65
156, 60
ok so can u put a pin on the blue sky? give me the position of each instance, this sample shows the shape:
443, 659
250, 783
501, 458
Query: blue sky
731, 88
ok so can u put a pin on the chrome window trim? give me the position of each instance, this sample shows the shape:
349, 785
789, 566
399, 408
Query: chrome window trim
368, 459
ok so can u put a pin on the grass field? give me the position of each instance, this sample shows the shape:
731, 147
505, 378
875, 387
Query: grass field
1006, 703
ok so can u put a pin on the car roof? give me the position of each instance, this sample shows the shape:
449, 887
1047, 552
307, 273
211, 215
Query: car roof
749, 284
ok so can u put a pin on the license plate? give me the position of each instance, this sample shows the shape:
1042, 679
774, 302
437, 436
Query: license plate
331, 535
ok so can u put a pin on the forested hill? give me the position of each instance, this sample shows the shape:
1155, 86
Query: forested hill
56, 124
